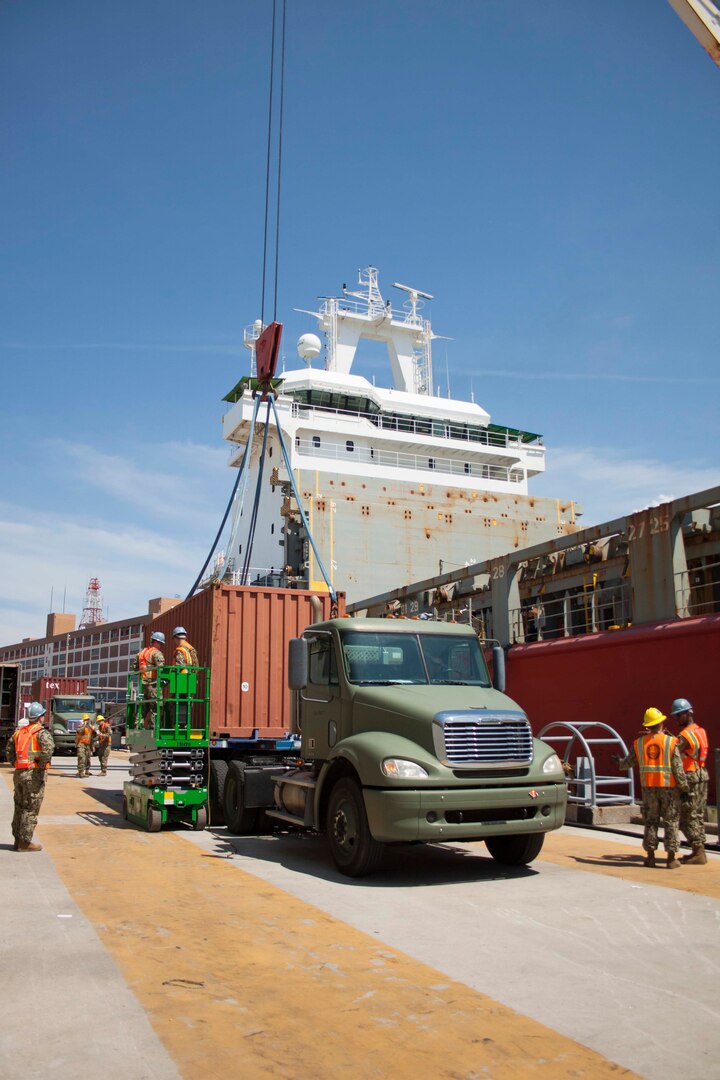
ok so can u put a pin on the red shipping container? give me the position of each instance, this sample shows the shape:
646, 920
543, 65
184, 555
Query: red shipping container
49, 686
241, 633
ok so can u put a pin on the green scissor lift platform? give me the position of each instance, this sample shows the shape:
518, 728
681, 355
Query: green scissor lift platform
167, 736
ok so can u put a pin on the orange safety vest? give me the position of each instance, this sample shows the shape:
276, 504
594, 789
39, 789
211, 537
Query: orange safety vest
697, 741
27, 748
654, 756
186, 656
143, 660
84, 735
104, 730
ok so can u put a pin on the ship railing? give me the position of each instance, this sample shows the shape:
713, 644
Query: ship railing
417, 462
697, 589
439, 429
572, 612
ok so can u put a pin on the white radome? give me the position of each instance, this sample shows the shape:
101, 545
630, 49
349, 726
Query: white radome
309, 347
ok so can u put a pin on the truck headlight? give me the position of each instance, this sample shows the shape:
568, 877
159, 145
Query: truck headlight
552, 765
399, 769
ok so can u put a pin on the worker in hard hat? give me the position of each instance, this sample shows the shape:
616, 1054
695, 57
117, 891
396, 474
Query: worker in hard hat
656, 754
185, 655
147, 661
29, 751
103, 738
694, 752
84, 738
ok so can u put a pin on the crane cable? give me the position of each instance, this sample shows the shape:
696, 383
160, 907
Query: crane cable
246, 456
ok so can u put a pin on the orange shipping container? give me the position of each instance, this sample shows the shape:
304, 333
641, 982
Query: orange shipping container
241, 633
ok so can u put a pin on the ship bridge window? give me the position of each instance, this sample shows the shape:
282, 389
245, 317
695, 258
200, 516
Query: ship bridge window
316, 441
349, 446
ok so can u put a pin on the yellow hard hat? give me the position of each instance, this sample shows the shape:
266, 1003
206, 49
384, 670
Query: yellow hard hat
653, 717
99, 717
86, 716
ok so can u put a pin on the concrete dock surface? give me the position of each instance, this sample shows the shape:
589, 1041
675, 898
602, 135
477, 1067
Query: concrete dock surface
199, 954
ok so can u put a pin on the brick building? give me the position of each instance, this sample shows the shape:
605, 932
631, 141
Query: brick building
102, 654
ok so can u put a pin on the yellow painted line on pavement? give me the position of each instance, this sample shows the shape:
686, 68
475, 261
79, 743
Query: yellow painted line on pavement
239, 978
598, 854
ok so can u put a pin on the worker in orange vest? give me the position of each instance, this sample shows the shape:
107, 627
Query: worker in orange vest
103, 736
29, 750
694, 752
84, 737
185, 655
664, 785
147, 661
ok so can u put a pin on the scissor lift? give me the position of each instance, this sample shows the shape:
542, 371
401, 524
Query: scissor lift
169, 759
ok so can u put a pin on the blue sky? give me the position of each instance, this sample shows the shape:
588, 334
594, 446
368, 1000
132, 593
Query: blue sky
547, 171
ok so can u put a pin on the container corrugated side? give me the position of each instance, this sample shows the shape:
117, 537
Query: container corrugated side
241, 633
48, 686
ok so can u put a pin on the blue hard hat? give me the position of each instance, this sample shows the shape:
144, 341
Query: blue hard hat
158, 635
36, 710
680, 705
179, 631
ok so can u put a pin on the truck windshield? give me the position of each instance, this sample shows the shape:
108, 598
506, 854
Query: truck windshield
384, 658
74, 705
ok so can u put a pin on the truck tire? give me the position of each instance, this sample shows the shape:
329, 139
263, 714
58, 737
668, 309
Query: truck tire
240, 820
354, 850
201, 819
154, 818
515, 850
218, 776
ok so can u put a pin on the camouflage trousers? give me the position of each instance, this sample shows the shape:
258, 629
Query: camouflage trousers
29, 792
103, 753
149, 705
661, 806
83, 758
692, 812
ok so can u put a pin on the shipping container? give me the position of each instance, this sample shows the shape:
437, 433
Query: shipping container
47, 687
241, 633
9, 703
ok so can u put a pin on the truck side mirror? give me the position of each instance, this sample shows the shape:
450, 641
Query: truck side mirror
298, 654
499, 668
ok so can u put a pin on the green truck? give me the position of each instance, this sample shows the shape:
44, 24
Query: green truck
403, 739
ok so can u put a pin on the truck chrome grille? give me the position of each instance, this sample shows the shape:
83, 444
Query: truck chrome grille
497, 739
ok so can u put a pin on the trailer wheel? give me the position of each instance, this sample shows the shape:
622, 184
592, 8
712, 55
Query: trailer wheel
201, 819
354, 850
240, 820
515, 850
218, 776
154, 818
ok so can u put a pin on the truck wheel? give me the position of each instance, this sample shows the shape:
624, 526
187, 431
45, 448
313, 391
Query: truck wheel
240, 820
201, 818
354, 850
218, 776
154, 818
515, 850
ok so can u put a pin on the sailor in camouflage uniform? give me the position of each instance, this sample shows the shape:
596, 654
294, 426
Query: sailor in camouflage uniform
664, 785
694, 753
84, 737
103, 736
147, 661
29, 751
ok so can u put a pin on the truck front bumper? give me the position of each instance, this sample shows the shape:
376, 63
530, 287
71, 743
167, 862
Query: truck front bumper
400, 815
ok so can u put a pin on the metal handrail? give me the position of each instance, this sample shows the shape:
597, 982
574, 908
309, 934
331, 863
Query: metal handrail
418, 462
572, 734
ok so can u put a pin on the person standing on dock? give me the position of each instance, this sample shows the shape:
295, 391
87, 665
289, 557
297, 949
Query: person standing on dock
84, 737
664, 785
185, 655
103, 736
147, 661
694, 752
29, 751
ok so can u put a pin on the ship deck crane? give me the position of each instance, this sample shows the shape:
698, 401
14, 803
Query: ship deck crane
702, 18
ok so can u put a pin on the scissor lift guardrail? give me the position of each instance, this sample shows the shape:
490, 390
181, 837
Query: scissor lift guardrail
589, 788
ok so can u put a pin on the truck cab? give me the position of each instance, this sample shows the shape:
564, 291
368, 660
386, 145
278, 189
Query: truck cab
404, 739
66, 713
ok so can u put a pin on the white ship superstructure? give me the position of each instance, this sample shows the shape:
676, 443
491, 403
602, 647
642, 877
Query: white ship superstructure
397, 483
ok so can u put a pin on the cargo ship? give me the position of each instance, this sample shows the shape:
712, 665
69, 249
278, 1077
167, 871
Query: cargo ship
395, 480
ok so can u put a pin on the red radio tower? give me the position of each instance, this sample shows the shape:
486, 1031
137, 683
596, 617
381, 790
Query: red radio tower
92, 612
